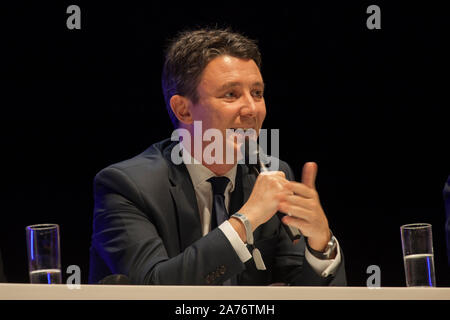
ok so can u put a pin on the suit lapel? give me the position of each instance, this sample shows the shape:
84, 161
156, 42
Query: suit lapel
248, 181
185, 201
243, 188
236, 199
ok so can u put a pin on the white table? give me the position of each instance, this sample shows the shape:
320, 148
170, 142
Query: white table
10, 291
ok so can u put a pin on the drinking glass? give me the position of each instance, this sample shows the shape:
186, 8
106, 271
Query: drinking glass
418, 256
44, 263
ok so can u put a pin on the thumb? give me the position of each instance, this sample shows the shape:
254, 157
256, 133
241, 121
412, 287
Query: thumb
309, 174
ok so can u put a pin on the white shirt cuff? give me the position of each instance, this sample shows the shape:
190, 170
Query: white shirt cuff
236, 241
324, 267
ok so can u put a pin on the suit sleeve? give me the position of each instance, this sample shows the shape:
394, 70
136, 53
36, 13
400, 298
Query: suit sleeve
291, 265
127, 240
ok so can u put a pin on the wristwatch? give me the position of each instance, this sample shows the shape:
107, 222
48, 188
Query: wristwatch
329, 249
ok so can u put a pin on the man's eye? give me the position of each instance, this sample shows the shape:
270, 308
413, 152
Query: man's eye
229, 95
258, 93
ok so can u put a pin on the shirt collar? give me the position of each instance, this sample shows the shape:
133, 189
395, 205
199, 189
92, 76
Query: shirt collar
199, 173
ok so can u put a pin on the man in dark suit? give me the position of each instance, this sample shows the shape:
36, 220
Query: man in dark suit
447, 209
162, 221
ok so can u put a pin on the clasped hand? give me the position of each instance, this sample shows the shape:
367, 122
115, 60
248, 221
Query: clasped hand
299, 201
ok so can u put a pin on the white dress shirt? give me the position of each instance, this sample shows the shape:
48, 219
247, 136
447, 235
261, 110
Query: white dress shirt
203, 191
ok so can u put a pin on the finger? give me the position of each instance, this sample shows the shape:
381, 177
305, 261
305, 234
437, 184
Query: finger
298, 212
274, 173
309, 174
301, 189
294, 200
276, 180
294, 222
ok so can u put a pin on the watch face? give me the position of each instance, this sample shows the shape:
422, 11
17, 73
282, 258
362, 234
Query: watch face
332, 241
331, 246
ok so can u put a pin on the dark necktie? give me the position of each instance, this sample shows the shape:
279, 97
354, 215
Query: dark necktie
219, 210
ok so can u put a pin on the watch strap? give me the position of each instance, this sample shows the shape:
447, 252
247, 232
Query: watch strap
259, 262
247, 225
326, 254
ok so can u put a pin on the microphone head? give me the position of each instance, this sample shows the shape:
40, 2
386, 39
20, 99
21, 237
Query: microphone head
115, 279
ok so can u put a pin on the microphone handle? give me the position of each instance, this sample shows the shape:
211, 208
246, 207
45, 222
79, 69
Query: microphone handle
294, 234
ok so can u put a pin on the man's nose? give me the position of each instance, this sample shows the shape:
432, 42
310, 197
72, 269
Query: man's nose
248, 108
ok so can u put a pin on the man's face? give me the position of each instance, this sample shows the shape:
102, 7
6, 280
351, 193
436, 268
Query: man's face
230, 97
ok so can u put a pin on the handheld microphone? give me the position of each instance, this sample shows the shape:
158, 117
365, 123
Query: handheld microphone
250, 149
115, 279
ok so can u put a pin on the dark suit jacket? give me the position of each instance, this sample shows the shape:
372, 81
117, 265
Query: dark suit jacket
147, 226
447, 209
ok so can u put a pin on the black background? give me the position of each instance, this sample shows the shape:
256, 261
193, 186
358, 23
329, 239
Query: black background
369, 106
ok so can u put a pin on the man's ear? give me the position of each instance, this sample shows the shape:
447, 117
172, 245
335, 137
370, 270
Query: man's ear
181, 108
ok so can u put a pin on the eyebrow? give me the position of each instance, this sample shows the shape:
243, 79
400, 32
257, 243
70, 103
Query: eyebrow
233, 84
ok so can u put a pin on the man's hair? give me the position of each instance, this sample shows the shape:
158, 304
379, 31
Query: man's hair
188, 54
